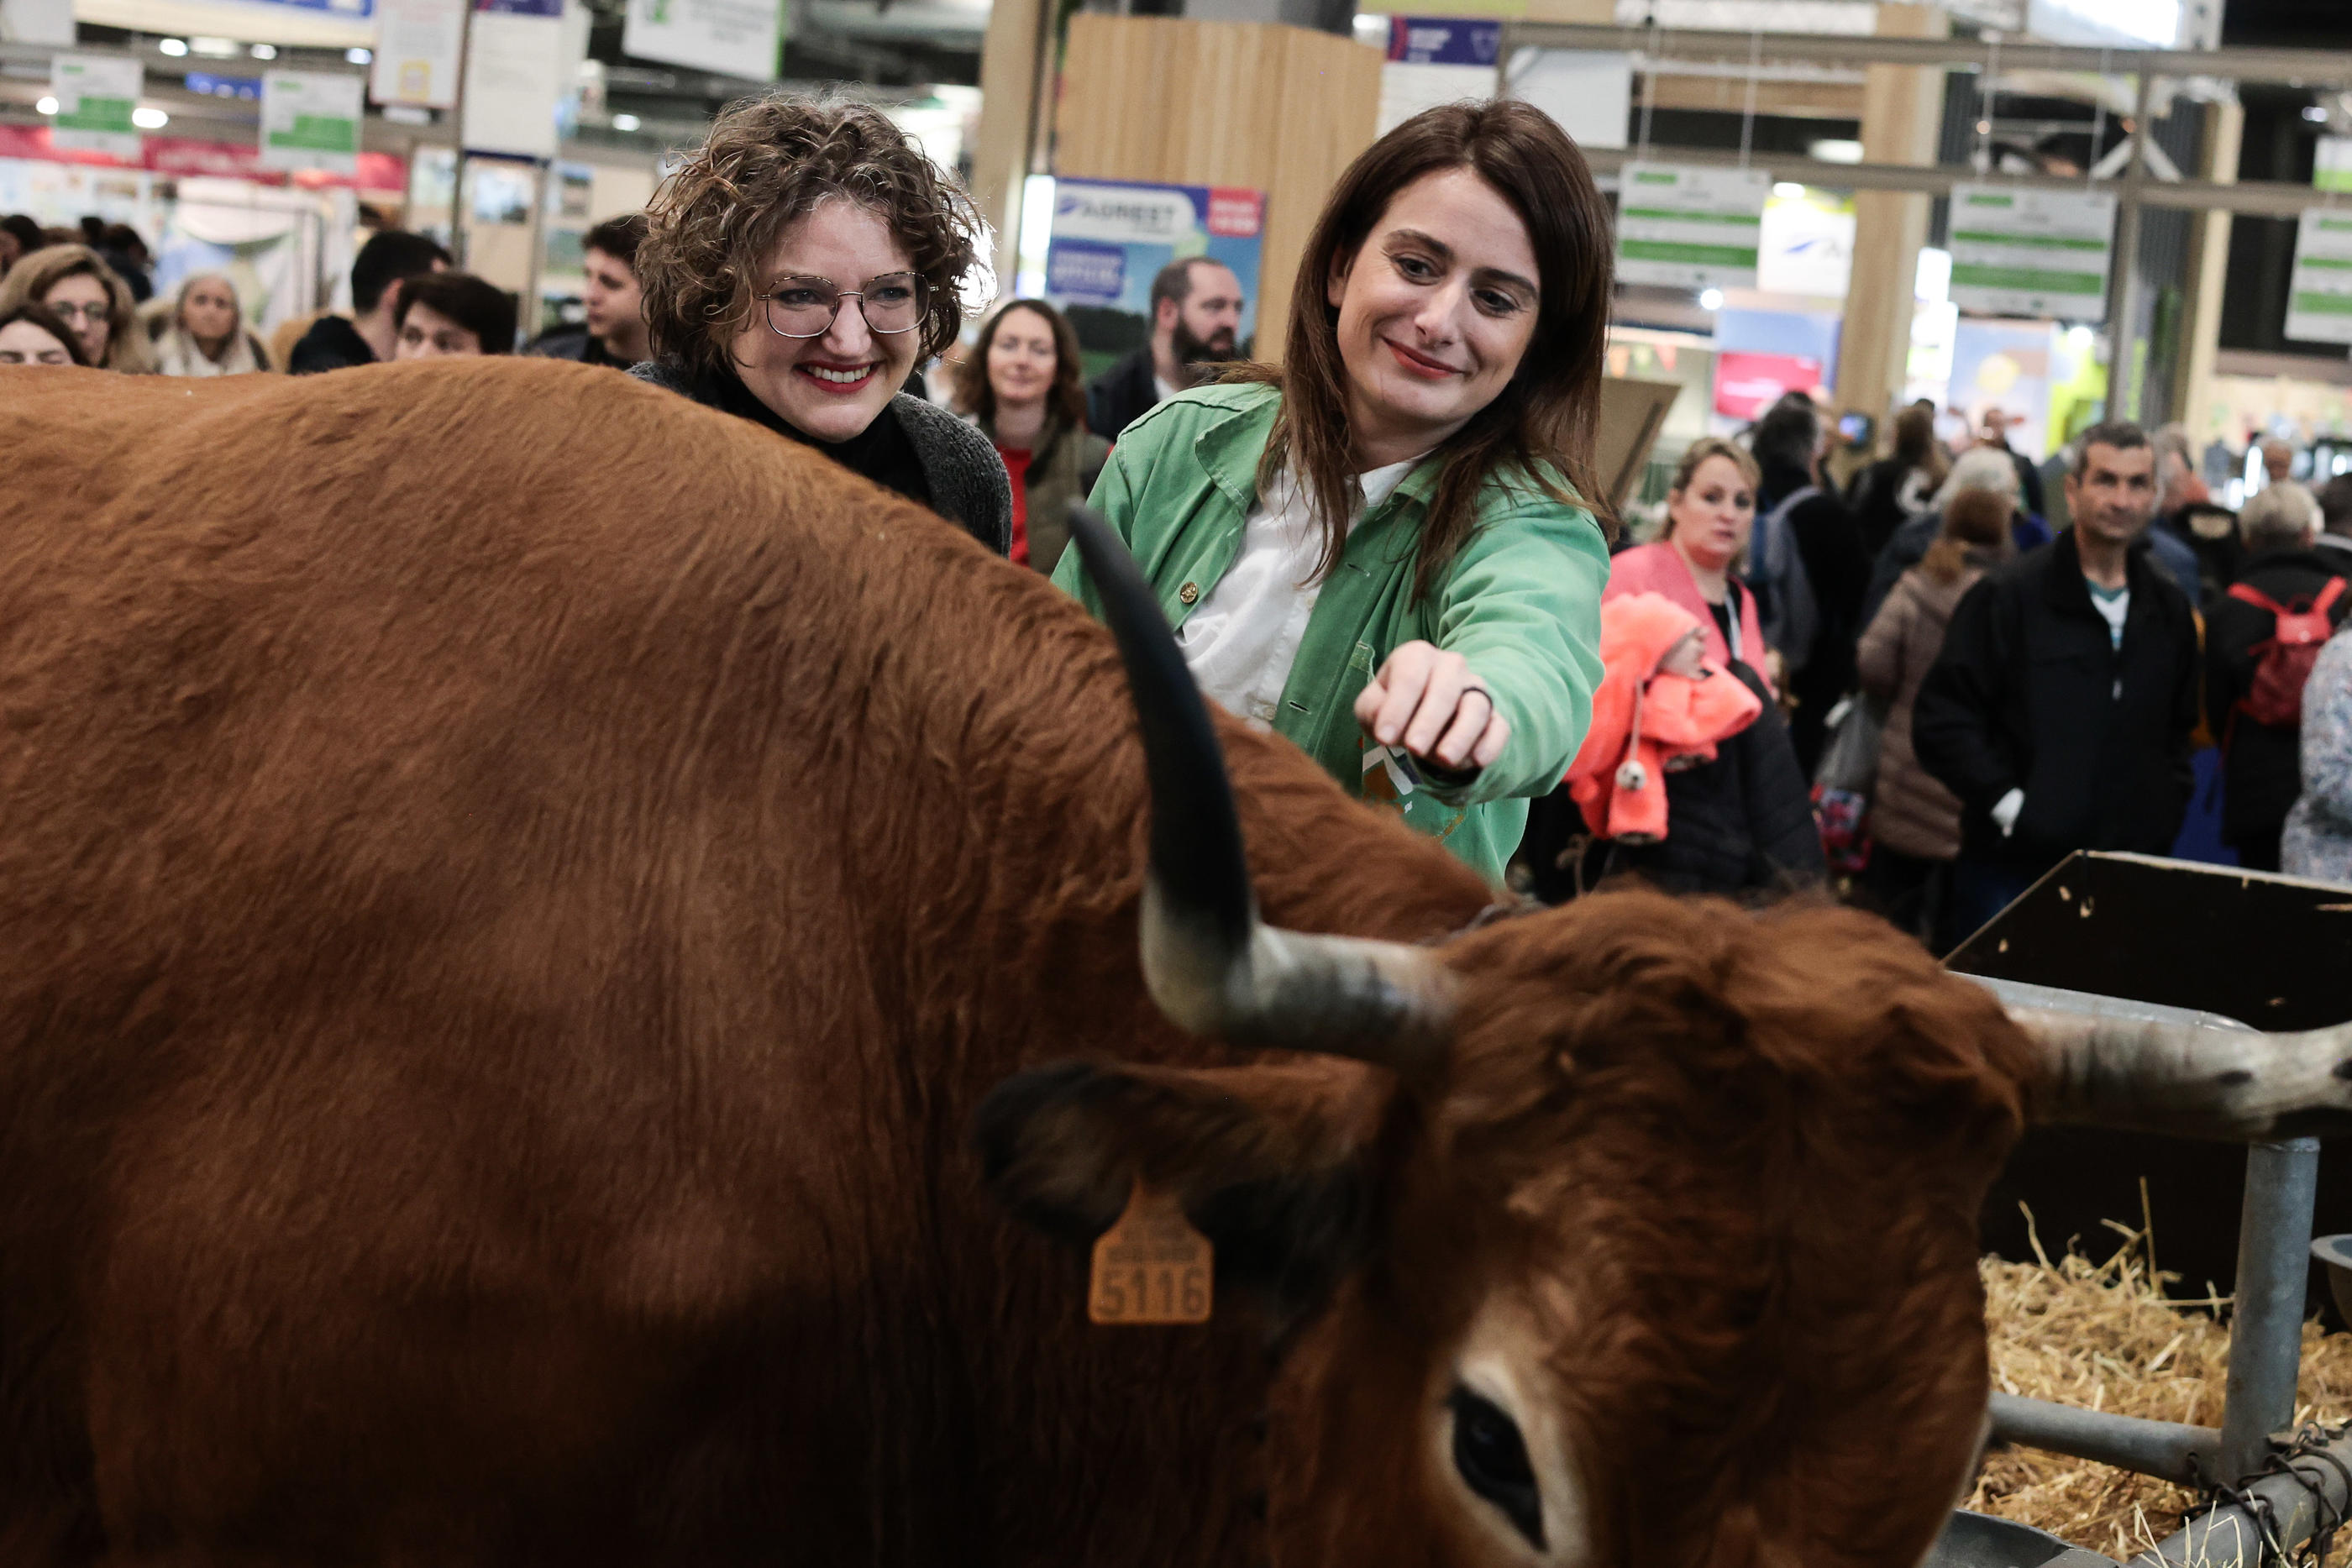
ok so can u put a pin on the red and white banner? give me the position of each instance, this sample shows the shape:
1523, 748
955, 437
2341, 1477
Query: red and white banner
379, 173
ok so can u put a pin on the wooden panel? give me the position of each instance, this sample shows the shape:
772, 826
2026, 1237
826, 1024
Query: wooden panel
1902, 114
1008, 107
1273, 109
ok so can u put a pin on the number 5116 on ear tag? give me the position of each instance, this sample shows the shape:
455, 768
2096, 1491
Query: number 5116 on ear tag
1151, 1267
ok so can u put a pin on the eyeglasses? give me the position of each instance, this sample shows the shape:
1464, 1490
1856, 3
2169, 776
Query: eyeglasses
805, 307
88, 315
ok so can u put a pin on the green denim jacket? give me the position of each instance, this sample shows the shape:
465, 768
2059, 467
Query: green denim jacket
1521, 602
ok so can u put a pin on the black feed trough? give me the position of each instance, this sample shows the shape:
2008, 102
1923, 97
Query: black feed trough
2270, 951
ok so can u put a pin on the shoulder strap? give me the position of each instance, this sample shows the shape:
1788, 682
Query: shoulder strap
2326, 596
2247, 593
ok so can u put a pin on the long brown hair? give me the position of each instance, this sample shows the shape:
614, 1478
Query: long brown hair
1066, 398
1973, 520
1539, 428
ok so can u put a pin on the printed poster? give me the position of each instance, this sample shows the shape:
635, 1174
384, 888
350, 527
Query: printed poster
1111, 238
95, 94
1433, 60
418, 44
1685, 227
310, 120
515, 79
2031, 253
2319, 299
729, 37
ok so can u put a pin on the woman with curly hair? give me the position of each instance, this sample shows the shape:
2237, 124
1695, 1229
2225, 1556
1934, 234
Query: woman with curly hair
1385, 549
71, 280
1020, 385
798, 267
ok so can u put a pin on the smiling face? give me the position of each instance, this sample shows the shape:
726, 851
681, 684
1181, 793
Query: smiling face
25, 343
427, 334
84, 302
831, 386
1022, 358
1709, 517
1436, 310
208, 311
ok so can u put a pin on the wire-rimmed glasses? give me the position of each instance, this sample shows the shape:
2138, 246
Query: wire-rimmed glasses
805, 307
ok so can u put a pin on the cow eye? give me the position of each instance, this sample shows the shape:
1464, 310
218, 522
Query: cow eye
1493, 1460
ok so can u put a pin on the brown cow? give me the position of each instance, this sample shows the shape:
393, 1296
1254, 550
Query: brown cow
515, 890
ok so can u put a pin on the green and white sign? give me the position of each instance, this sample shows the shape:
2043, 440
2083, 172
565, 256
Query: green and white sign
2031, 253
95, 94
1690, 228
2331, 163
741, 39
310, 120
2319, 299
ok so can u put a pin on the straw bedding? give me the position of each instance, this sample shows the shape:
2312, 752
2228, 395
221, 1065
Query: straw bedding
2100, 1334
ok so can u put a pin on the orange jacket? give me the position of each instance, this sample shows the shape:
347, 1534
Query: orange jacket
1647, 723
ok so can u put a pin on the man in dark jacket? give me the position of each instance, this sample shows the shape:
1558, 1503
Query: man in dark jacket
388, 260
1836, 571
1196, 320
2061, 707
2261, 773
614, 332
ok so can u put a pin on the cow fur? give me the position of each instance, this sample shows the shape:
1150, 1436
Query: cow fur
514, 887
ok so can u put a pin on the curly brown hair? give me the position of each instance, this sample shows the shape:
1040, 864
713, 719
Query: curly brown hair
1066, 397
769, 162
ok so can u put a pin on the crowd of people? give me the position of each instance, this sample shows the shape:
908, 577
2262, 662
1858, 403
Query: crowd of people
1929, 683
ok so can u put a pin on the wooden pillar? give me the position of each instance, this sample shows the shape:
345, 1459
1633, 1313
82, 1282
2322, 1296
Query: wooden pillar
2209, 260
1016, 117
1902, 116
1268, 107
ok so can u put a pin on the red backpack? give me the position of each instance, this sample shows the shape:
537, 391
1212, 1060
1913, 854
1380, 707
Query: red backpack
2286, 654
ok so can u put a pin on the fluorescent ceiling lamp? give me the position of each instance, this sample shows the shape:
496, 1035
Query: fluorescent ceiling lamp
147, 118
45, 105
215, 49
359, 57
1787, 191
625, 122
1711, 299
1835, 149
264, 51
174, 48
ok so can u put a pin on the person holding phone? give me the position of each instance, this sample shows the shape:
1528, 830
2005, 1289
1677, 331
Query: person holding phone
1382, 548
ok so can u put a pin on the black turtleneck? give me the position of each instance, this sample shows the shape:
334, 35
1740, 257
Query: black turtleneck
880, 451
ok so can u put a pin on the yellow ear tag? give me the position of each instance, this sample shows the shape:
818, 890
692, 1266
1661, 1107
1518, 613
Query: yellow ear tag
1151, 1267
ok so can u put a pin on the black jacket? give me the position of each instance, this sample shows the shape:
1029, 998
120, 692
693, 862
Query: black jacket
1121, 394
332, 343
2031, 693
1741, 823
575, 343
2261, 763
1830, 547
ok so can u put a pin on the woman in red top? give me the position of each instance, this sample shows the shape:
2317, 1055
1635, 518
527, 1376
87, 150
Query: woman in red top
1021, 386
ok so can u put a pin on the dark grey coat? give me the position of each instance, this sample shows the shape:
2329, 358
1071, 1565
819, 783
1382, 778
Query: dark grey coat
966, 477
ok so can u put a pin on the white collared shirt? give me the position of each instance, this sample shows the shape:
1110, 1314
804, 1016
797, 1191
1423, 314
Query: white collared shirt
1242, 637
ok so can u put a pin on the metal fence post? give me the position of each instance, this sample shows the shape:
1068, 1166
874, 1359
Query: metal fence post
2273, 1273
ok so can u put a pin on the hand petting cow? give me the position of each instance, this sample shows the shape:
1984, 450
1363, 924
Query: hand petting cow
546, 930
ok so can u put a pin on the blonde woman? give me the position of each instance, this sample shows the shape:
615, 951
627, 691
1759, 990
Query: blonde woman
202, 333
1710, 507
96, 303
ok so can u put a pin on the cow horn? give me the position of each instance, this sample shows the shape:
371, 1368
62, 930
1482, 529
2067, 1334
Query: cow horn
1212, 966
2114, 1063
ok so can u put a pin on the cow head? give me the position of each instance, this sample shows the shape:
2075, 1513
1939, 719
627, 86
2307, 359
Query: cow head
1641, 1231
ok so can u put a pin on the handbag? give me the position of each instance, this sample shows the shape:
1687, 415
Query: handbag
1848, 762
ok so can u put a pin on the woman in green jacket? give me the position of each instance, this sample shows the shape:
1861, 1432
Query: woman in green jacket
1378, 548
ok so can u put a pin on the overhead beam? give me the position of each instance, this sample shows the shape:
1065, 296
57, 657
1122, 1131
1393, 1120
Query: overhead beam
2309, 67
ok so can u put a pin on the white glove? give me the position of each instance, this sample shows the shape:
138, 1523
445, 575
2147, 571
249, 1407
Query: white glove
2005, 810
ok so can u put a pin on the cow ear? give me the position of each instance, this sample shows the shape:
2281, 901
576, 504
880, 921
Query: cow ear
1268, 1162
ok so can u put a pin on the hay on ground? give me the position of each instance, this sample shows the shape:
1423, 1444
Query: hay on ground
2104, 1336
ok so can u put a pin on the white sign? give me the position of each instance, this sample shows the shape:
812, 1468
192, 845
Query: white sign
95, 94
37, 22
1808, 244
2319, 300
731, 37
2331, 164
2031, 253
514, 84
417, 45
1690, 228
310, 120
1590, 94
